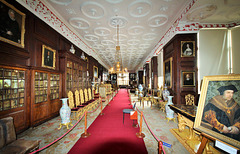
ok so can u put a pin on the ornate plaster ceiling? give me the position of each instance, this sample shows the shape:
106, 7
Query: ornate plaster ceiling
144, 25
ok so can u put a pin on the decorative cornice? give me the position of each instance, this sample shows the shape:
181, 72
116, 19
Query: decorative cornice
178, 28
44, 13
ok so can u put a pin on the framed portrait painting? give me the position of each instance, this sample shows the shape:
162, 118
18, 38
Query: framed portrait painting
187, 48
12, 24
48, 57
218, 113
188, 78
95, 71
167, 71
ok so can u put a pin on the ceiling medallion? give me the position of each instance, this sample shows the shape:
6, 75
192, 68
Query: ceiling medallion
91, 38
135, 30
92, 10
149, 36
139, 8
157, 20
79, 23
133, 42
118, 20
108, 43
114, 1
102, 31
61, 2
202, 12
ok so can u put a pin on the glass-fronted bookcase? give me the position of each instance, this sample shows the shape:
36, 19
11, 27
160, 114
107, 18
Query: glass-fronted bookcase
41, 87
75, 76
12, 88
74, 68
45, 95
54, 86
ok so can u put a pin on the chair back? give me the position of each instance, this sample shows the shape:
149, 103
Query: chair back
81, 96
7, 131
71, 100
89, 94
102, 92
77, 101
159, 93
85, 95
189, 98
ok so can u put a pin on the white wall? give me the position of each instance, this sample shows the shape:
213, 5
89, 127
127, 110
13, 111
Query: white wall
160, 69
235, 33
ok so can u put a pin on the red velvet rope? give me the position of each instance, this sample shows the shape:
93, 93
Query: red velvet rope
63, 134
151, 130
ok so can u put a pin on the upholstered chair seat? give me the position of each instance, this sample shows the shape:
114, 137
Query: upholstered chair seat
9, 143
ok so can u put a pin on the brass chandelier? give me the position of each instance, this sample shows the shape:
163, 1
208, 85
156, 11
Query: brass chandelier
118, 65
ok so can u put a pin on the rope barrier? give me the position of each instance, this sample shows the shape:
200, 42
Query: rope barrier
140, 134
50, 144
94, 109
85, 134
161, 142
58, 138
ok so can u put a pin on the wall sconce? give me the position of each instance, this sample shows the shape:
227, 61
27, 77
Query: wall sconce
72, 50
83, 56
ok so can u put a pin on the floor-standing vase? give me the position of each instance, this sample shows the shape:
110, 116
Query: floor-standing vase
166, 93
140, 88
169, 112
65, 114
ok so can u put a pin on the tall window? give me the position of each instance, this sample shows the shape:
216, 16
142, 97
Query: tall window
123, 78
218, 54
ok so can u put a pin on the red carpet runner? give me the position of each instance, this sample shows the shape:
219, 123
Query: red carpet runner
108, 133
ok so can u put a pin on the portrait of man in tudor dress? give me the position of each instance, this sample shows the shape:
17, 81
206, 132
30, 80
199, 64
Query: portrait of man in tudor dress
222, 113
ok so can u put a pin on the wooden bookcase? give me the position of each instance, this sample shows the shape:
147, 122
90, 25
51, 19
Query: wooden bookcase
75, 72
12, 88
45, 95
13, 94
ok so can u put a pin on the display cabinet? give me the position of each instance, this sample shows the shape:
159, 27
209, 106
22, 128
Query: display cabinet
14, 95
75, 72
54, 86
69, 75
75, 77
12, 88
41, 87
45, 94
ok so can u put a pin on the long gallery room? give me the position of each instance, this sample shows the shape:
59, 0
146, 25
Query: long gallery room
119, 76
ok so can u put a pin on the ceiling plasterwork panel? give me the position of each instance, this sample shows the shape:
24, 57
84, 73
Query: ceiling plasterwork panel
141, 22
145, 26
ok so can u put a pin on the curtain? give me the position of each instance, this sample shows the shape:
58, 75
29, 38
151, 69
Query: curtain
213, 55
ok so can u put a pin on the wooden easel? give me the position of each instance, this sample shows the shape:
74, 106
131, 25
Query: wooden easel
205, 138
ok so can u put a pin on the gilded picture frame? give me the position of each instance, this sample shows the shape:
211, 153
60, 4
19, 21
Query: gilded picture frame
48, 57
12, 24
167, 71
218, 113
188, 78
95, 71
187, 48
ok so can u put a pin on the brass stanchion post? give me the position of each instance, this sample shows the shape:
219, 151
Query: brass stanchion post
160, 147
108, 100
85, 134
101, 106
140, 134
